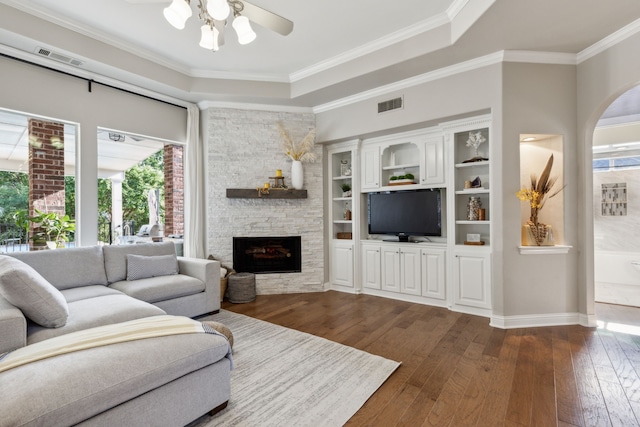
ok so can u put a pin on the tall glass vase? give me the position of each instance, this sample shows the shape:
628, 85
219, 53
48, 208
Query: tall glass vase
297, 175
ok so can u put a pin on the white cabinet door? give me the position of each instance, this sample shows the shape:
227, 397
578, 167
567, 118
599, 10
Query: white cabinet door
432, 171
371, 267
370, 171
472, 280
433, 273
342, 265
410, 266
391, 269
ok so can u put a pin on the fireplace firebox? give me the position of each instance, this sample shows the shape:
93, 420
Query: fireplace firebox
267, 254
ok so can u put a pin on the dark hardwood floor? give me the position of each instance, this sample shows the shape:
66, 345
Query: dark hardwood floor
458, 371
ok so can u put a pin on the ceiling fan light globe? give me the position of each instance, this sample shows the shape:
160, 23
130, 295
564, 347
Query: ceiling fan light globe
218, 9
243, 29
177, 13
206, 37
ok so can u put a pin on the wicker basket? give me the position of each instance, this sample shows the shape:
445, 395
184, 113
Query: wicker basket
242, 288
223, 287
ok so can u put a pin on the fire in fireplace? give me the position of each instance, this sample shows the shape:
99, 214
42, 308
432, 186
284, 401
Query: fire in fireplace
267, 254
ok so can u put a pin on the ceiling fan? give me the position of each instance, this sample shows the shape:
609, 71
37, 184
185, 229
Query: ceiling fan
215, 14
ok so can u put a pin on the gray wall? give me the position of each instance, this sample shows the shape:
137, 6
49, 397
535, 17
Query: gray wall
32, 90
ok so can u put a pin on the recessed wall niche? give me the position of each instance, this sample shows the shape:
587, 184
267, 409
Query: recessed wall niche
535, 150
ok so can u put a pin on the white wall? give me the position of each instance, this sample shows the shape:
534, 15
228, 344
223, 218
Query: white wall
243, 152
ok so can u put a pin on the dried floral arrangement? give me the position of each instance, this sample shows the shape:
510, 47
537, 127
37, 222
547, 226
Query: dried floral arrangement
302, 151
537, 194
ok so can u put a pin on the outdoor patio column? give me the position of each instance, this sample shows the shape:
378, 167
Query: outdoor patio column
116, 205
173, 190
46, 168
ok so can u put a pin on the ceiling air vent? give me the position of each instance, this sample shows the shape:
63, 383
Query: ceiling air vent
58, 57
392, 104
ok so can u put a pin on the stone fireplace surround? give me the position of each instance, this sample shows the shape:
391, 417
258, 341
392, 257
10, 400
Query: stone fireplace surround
243, 150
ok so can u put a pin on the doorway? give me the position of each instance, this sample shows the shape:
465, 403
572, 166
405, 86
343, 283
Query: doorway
616, 202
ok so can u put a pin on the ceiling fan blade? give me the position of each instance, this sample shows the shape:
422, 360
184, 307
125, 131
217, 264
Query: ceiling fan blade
147, 1
267, 19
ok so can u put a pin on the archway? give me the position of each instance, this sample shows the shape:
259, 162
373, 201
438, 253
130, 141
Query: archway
616, 201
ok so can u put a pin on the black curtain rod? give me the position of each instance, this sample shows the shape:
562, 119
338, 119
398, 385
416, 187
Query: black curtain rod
90, 81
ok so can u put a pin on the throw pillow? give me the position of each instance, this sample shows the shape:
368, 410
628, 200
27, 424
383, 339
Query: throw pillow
38, 299
142, 267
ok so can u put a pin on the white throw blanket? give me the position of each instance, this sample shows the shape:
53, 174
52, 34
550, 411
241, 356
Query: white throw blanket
148, 327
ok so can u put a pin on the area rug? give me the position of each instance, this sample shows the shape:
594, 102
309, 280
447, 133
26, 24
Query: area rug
285, 377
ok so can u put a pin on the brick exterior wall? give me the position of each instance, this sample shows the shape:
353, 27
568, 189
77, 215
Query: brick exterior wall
46, 168
173, 190
243, 151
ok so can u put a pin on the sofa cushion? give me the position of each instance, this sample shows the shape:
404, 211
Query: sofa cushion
98, 311
142, 267
161, 288
71, 388
86, 292
68, 268
115, 256
26, 289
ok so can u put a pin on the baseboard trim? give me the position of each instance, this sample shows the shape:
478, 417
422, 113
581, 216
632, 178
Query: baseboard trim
537, 320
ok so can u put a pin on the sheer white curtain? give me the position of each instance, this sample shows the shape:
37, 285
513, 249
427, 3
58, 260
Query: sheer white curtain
195, 227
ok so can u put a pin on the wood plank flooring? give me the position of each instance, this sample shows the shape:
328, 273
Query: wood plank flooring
458, 371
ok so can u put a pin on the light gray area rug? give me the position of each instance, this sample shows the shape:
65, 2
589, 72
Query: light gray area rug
284, 377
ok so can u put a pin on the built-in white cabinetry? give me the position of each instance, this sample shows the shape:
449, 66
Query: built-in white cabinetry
370, 167
433, 273
472, 281
342, 263
432, 167
343, 208
403, 161
371, 261
404, 271
452, 270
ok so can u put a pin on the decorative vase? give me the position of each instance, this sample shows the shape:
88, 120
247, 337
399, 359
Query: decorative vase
537, 234
297, 174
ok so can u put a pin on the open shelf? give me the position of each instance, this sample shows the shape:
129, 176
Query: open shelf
253, 193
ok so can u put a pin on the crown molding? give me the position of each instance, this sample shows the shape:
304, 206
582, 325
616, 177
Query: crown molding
204, 105
534, 57
609, 41
455, 8
381, 43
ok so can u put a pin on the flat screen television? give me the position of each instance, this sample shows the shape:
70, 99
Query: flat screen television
405, 213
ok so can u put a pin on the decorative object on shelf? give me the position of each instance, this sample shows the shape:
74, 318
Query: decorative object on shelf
278, 173
215, 15
474, 141
476, 183
473, 207
347, 212
535, 233
482, 214
346, 235
405, 179
345, 170
278, 181
263, 190
298, 153
467, 184
346, 190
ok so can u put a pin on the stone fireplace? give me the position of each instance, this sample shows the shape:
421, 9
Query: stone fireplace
243, 151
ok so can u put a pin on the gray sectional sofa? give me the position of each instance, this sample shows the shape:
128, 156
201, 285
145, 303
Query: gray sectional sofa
168, 380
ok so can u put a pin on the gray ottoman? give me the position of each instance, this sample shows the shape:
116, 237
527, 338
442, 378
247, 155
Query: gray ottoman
241, 287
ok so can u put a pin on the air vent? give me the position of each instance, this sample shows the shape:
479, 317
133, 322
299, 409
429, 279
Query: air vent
392, 104
58, 57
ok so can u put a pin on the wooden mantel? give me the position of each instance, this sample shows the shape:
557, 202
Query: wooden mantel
253, 193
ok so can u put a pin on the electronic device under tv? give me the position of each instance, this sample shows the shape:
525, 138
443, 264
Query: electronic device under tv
405, 213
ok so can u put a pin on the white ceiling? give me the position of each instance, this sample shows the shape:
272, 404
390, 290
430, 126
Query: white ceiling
337, 48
